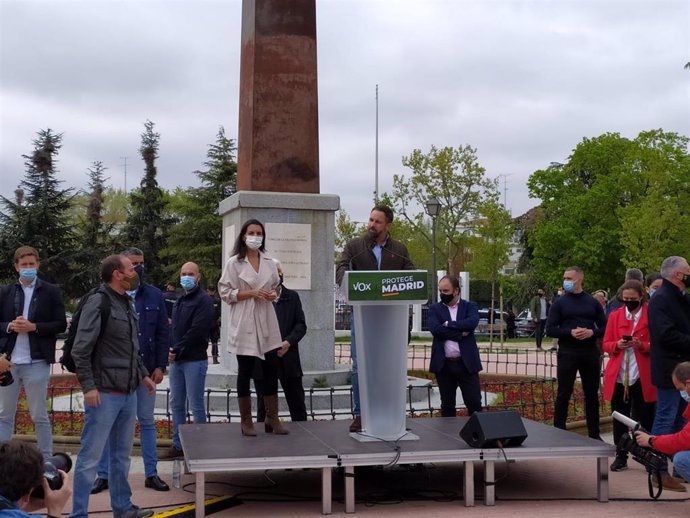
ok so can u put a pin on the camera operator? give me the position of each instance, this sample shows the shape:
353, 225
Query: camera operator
21, 471
677, 444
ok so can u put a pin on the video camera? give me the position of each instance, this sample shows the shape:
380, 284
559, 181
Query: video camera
59, 461
652, 460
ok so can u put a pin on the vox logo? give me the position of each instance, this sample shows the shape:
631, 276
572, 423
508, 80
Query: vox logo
361, 286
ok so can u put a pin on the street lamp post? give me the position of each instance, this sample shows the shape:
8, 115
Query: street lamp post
433, 207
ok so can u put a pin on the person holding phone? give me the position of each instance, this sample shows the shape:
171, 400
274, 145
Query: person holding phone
628, 377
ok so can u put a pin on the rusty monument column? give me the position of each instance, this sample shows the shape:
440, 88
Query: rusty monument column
278, 174
279, 128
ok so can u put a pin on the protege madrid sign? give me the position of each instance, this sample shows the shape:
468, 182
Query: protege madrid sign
387, 286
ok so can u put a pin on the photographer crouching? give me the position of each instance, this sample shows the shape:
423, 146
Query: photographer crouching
676, 445
22, 471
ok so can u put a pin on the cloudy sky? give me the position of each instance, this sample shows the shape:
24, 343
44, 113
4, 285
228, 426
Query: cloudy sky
522, 81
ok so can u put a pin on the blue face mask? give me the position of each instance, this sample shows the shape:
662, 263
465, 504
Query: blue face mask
684, 394
28, 274
187, 282
651, 293
569, 286
140, 271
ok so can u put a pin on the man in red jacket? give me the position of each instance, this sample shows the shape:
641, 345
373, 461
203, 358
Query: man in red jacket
677, 444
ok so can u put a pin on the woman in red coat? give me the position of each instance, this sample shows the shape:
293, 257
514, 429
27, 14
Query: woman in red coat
627, 378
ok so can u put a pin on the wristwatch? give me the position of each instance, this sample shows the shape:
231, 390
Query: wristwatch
651, 441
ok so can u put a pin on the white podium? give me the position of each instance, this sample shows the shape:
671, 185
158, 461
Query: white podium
381, 306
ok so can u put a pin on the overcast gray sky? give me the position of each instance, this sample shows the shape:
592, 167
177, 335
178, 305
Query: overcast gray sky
522, 81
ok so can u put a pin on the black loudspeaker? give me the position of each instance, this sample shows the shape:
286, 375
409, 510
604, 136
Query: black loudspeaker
487, 429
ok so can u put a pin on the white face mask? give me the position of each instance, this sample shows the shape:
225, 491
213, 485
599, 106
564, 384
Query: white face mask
254, 242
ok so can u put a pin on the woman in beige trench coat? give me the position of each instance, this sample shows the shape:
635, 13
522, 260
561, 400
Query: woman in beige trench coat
248, 284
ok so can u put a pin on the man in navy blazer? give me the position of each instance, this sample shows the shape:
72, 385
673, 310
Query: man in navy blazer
454, 353
32, 314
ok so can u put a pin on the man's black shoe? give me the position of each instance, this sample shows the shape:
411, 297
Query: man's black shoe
156, 483
135, 512
619, 464
101, 484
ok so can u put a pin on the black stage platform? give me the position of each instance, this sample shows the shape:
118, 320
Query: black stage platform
220, 447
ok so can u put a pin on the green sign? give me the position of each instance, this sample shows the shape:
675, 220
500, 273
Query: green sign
387, 286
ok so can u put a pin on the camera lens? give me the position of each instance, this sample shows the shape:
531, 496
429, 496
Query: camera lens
6, 379
59, 461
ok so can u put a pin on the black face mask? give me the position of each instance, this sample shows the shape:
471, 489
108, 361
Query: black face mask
540, 294
632, 305
446, 298
686, 280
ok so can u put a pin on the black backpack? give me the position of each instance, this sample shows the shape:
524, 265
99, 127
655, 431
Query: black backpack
66, 360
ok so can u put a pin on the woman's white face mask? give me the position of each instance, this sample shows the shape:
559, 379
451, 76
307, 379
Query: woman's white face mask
254, 242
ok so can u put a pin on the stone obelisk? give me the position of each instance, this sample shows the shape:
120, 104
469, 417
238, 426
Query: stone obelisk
279, 126
278, 166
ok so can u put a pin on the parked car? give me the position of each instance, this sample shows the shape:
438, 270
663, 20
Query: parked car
524, 325
489, 321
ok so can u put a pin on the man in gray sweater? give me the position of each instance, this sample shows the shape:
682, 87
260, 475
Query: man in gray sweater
109, 369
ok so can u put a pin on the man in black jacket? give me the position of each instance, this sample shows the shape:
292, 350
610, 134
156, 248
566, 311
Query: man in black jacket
669, 333
376, 250
293, 327
31, 315
191, 323
576, 319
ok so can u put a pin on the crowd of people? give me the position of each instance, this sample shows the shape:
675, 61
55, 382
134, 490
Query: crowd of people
127, 336
130, 334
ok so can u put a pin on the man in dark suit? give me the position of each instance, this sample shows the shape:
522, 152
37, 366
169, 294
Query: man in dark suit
32, 314
454, 353
293, 327
669, 333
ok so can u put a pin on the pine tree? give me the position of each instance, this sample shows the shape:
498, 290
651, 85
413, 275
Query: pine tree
94, 232
197, 235
146, 221
38, 217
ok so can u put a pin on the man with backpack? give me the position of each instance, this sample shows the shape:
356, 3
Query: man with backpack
31, 316
110, 370
153, 347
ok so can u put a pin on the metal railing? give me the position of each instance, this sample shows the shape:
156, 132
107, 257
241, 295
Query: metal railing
532, 393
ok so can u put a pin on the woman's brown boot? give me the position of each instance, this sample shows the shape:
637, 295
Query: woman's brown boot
272, 422
246, 415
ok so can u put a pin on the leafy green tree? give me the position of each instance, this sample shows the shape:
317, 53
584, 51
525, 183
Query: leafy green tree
197, 234
345, 229
37, 217
147, 223
455, 178
616, 203
491, 243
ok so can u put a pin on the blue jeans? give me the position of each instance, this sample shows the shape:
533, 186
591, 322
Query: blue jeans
681, 464
355, 373
113, 421
187, 381
669, 412
34, 378
146, 405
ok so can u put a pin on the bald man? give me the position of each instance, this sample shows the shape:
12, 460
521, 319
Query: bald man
191, 322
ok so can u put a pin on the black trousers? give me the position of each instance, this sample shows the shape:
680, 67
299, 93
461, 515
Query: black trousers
635, 407
452, 376
539, 332
294, 396
245, 371
587, 363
